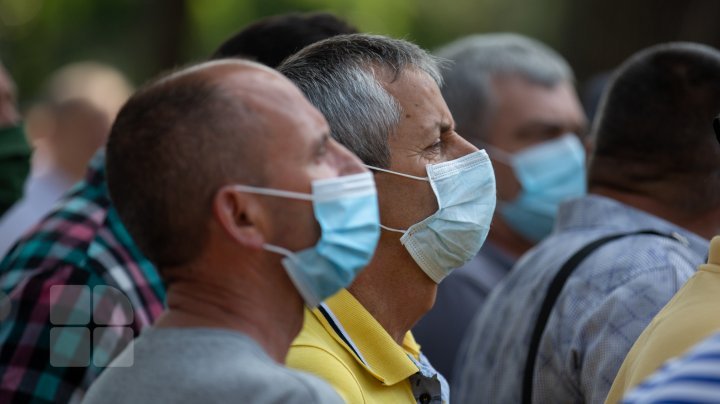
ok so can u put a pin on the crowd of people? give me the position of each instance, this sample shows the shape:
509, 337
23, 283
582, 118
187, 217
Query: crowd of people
319, 215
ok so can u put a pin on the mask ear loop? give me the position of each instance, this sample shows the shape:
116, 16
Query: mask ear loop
278, 250
273, 192
279, 193
391, 229
412, 177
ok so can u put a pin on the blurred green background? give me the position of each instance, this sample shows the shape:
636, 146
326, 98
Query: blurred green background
144, 37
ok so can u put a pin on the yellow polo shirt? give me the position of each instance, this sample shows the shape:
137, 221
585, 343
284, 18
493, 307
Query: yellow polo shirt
342, 343
688, 318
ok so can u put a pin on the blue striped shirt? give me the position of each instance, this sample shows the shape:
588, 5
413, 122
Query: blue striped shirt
694, 378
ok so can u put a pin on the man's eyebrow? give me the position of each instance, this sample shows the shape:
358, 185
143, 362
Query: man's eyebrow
542, 124
444, 126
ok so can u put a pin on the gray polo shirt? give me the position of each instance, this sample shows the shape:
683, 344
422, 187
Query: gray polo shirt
203, 365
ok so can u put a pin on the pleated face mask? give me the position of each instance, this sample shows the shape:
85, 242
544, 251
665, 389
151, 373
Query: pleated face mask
465, 192
550, 173
347, 210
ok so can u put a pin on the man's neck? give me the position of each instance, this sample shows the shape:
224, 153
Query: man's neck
393, 289
258, 311
705, 225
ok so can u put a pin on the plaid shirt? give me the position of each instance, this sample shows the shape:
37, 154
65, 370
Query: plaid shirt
78, 290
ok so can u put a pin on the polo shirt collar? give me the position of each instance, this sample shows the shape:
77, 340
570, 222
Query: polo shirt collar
366, 340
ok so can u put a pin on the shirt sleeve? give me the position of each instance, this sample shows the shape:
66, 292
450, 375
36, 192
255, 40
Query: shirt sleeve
35, 352
328, 367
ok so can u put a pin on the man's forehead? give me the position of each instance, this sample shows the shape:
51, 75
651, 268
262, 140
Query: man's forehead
527, 107
407, 89
409, 75
417, 89
515, 91
518, 84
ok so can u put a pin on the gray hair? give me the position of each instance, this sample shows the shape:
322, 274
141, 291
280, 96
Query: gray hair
343, 77
477, 58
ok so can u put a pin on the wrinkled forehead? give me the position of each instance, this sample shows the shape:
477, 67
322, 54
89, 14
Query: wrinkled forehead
416, 91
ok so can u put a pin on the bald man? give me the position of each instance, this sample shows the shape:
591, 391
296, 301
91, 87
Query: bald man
211, 170
81, 242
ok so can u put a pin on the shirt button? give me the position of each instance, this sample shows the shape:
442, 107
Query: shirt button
425, 398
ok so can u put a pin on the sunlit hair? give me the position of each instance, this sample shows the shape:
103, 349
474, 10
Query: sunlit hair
343, 77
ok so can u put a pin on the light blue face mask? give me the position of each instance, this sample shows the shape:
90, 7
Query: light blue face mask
347, 210
465, 191
549, 173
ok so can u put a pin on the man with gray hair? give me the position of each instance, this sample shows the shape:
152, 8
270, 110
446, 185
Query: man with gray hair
513, 96
558, 327
436, 191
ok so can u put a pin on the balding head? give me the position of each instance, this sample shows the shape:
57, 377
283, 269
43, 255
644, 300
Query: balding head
181, 138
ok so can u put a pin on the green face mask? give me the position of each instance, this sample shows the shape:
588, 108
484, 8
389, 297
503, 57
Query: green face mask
14, 164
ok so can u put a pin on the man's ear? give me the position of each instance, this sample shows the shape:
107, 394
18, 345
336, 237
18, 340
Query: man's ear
238, 214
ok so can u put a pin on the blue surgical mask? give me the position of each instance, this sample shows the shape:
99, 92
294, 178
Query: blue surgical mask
347, 210
445, 240
549, 174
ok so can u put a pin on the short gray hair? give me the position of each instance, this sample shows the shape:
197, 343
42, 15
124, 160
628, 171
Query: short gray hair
339, 77
477, 58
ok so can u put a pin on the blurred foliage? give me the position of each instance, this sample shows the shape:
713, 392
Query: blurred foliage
144, 37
